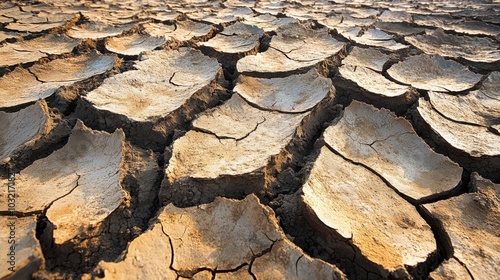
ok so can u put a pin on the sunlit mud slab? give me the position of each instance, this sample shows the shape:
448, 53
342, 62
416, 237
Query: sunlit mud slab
290, 52
473, 146
389, 146
230, 147
22, 254
365, 219
25, 51
166, 89
434, 73
470, 225
234, 42
477, 51
361, 77
225, 238
133, 45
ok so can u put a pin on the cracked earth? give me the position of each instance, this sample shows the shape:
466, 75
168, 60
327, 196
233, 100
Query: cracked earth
241, 139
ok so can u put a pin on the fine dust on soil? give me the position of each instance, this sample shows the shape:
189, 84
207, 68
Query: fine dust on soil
249, 139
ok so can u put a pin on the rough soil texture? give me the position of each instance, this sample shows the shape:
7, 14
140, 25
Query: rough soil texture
249, 139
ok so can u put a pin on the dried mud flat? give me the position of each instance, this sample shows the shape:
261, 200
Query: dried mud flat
248, 139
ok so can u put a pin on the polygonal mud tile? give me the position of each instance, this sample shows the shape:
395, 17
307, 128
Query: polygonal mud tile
11, 56
21, 86
33, 27
166, 90
22, 129
304, 13
275, 94
134, 44
182, 31
471, 139
221, 16
230, 146
475, 147
372, 81
372, 37
399, 28
389, 146
97, 30
474, 49
471, 225
369, 58
48, 44
9, 35
295, 48
22, 254
450, 269
434, 73
74, 69
89, 165
286, 261
481, 107
219, 237
345, 23
386, 232
148, 257
160, 15
267, 22
234, 42
394, 16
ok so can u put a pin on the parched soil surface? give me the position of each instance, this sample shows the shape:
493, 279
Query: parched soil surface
246, 139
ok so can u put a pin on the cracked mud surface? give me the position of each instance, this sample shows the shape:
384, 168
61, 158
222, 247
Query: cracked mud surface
242, 139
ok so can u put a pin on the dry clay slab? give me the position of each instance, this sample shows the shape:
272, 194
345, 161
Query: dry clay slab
471, 223
434, 73
181, 31
294, 48
236, 38
74, 69
373, 37
268, 22
390, 147
474, 140
34, 49
97, 30
166, 88
475, 49
480, 107
22, 129
222, 236
230, 146
24, 257
77, 186
473, 146
132, 45
385, 232
20, 87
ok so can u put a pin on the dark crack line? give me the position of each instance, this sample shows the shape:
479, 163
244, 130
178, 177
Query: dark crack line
465, 266
402, 195
63, 196
297, 265
453, 120
202, 130
171, 78
297, 60
171, 266
273, 110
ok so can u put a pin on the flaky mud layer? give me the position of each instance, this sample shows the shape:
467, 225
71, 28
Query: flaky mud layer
249, 139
